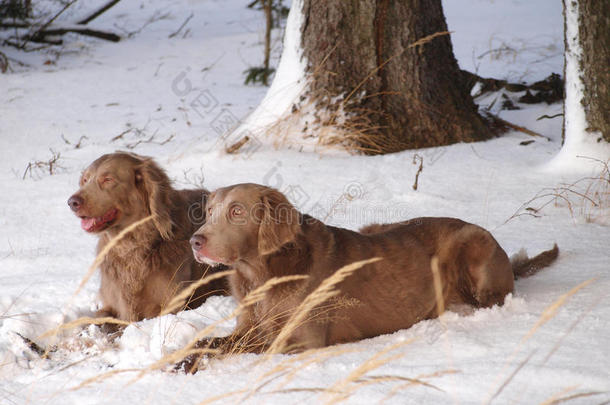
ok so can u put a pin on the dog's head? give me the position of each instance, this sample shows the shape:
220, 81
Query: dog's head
243, 222
119, 189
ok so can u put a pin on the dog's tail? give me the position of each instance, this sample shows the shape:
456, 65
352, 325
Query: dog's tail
524, 266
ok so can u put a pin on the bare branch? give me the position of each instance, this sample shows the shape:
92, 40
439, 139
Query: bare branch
182, 26
417, 157
108, 36
517, 127
98, 12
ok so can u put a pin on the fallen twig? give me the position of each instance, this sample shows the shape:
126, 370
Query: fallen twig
517, 127
33, 346
108, 36
182, 26
45, 25
4, 65
549, 116
119, 136
51, 164
78, 144
237, 145
417, 157
151, 139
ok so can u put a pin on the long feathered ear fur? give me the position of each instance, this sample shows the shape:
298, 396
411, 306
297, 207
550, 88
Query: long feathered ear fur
279, 224
156, 186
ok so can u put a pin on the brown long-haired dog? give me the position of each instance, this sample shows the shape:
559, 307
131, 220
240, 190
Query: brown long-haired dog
148, 266
261, 235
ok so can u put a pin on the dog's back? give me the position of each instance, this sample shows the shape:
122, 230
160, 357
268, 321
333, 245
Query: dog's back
399, 290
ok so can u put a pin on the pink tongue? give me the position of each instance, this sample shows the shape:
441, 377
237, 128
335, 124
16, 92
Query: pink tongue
87, 223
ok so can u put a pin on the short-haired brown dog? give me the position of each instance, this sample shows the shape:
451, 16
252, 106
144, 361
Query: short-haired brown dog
255, 230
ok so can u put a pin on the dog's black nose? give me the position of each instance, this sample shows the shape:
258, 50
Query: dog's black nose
197, 241
75, 202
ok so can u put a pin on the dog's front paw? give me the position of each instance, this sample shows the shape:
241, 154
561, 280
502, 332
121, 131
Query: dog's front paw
191, 363
205, 349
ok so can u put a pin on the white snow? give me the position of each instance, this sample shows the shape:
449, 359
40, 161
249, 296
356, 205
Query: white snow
178, 99
516, 40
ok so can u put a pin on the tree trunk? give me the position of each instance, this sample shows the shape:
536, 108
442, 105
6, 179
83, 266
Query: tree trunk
593, 64
268, 27
384, 89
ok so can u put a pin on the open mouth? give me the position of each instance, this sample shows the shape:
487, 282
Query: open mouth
94, 224
201, 258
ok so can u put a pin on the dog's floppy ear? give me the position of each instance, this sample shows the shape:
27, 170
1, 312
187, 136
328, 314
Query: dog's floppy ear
279, 223
155, 185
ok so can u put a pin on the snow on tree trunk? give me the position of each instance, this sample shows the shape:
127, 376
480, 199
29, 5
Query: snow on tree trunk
586, 127
287, 86
352, 75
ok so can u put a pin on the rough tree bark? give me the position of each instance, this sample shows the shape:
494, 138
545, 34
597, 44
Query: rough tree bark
392, 95
594, 64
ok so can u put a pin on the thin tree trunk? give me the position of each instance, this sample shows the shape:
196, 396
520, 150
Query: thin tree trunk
388, 93
594, 35
268, 26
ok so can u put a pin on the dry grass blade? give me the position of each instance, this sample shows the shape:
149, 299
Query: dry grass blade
429, 38
98, 260
557, 398
252, 298
221, 396
325, 290
438, 285
548, 314
289, 390
259, 293
571, 328
550, 311
293, 364
511, 376
590, 194
418, 381
188, 350
419, 42
178, 300
82, 321
102, 377
374, 362
100, 257
374, 379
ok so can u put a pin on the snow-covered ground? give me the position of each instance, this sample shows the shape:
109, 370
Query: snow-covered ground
173, 98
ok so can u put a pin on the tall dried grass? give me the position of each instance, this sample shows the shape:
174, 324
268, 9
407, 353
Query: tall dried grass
325, 291
178, 300
548, 314
562, 397
252, 298
98, 260
342, 389
587, 197
102, 254
279, 376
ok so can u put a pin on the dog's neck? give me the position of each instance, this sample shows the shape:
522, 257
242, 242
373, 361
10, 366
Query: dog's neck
145, 235
290, 259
